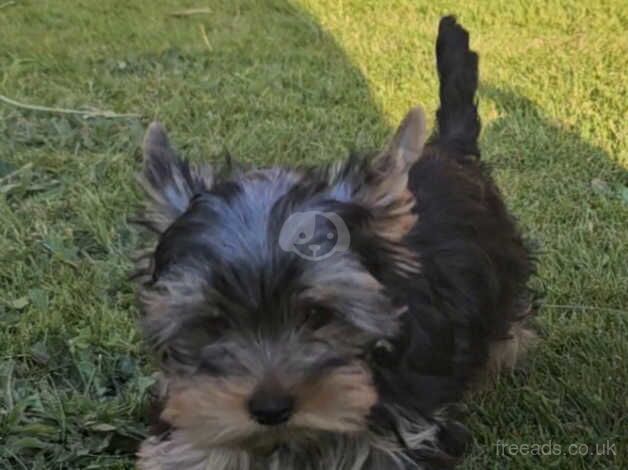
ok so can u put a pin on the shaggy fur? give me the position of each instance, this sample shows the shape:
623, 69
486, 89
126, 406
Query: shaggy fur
356, 357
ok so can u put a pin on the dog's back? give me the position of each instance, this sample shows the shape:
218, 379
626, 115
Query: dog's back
472, 253
469, 303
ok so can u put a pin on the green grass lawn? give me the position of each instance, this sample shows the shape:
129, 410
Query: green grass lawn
273, 81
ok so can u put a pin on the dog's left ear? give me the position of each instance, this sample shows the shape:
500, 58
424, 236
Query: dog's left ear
388, 172
383, 185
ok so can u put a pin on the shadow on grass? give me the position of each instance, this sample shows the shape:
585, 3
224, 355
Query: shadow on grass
567, 194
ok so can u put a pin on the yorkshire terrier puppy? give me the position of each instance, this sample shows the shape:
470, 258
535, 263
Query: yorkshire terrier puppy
327, 319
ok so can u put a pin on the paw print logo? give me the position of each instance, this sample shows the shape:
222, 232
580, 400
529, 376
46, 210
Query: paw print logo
314, 235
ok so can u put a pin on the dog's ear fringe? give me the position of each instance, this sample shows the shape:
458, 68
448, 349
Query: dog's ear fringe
169, 182
388, 172
380, 184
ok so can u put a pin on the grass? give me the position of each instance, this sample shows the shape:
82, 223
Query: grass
283, 82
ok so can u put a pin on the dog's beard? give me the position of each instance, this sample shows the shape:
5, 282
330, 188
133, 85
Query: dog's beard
212, 412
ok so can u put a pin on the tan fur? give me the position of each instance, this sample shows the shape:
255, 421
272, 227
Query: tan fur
350, 388
213, 412
386, 191
504, 354
210, 411
392, 204
396, 221
338, 402
390, 168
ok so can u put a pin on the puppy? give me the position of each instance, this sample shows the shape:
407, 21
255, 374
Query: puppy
331, 318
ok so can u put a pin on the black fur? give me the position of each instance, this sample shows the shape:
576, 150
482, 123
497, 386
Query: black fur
457, 118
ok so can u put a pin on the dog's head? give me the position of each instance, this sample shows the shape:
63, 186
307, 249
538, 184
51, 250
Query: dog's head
263, 297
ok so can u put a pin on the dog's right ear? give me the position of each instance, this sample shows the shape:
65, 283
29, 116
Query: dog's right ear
168, 181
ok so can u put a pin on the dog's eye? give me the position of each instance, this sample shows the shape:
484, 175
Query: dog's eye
316, 317
382, 351
216, 324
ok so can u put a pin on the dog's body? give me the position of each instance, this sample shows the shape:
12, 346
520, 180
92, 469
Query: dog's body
349, 360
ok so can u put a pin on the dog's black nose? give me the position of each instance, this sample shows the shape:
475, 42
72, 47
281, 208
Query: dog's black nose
271, 409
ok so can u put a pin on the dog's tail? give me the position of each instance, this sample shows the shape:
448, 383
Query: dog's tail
458, 123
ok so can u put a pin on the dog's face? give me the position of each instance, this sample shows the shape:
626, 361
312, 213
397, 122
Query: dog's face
262, 296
